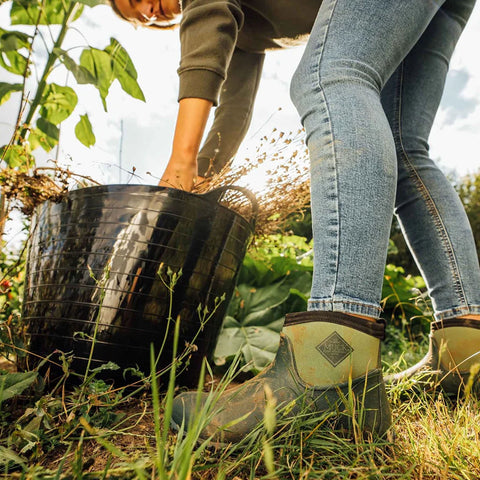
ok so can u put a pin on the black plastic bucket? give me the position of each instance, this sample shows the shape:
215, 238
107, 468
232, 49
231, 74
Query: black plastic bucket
98, 266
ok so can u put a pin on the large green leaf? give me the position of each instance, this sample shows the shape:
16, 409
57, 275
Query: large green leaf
16, 156
399, 291
38, 139
248, 298
12, 384
48, 128
6, 89
46, 135
99, 64
84, 132
58, 102
272, 283
14, 62
257, 344
124, 69
256, 316
81, 74
253, 271
49, 12
13, 40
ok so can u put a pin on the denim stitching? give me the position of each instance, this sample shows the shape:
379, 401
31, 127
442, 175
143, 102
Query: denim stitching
429, 202
345, 308
457, 312
347, 302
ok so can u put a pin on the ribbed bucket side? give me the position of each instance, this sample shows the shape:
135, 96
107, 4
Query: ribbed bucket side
98, 263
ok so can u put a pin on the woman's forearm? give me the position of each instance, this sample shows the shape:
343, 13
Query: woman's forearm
191, 120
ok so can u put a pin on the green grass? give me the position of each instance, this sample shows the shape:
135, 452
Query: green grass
98, 432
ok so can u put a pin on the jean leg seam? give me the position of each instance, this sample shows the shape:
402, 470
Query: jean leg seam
332, 141
429, 202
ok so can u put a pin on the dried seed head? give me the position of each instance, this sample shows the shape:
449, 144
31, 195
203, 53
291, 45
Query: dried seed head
282, 161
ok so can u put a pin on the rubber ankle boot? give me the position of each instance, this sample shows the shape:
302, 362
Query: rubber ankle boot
454, 350
326, 363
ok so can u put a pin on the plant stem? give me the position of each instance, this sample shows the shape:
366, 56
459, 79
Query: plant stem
24, 97
52, 57
3, 215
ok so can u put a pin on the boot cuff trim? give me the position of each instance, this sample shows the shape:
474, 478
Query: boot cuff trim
375, 329
455, 322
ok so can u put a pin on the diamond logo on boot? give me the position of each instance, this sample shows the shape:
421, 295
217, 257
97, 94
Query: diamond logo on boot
335, 349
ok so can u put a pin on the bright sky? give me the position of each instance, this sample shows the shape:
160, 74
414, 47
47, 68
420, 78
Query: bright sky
148, 127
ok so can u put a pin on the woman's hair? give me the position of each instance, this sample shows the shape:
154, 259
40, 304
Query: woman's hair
166, 26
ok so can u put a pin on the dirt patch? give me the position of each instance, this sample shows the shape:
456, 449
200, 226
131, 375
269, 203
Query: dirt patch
133, 434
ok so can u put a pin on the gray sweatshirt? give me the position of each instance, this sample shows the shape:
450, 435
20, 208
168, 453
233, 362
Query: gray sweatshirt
223, 46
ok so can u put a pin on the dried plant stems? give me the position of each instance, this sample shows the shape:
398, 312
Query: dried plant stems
278, 175
281, 161
31, 189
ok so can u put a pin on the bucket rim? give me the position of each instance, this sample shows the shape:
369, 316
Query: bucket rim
211, 197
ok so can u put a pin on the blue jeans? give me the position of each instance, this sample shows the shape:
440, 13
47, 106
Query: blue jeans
367, 90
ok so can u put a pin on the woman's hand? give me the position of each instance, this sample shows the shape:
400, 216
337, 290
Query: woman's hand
181, 171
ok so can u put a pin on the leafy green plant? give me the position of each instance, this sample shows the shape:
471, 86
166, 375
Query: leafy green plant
271, 284
52, 103
405, 302
469, 191
46, 104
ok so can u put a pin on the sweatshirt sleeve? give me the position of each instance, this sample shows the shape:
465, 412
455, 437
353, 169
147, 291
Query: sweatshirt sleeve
208, 35
234, 113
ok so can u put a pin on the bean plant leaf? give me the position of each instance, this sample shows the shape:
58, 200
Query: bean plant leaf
124, 69
16, 156
84, 132
48, 128
38, 139
58, 103
12, 384
81, 74
99, 64
6, 89
256, 316
51, 12
257, 344
13, 40
14, 62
